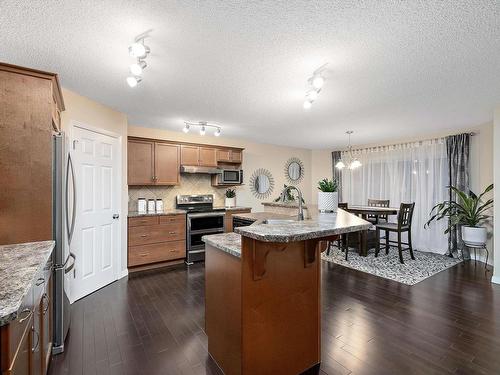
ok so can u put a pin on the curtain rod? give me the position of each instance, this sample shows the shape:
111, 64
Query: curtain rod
354, 148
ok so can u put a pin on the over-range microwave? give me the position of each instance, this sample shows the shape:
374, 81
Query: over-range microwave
230, 177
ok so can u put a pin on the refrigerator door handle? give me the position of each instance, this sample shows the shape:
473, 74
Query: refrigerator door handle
70, 227
72, 265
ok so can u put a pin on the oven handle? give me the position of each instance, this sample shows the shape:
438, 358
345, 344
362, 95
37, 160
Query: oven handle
205, 214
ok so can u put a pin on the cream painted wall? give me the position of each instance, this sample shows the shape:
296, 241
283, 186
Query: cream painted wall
256, 155
496, 167
321, 167
89, 112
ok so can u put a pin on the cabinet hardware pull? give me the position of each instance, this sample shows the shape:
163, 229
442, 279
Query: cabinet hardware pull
144, 254
171, 232
37, 339
40, 281
144, 235
47, 299
27, 316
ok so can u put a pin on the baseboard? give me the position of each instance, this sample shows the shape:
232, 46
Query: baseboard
495, 279
124, 274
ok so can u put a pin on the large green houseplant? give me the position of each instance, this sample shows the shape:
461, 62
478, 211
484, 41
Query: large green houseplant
469, 211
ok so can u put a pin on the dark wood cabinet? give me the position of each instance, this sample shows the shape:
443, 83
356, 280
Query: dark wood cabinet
153, 163
30, 106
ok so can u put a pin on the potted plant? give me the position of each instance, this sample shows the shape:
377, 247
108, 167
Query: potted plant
328, 199
469, 212
230, 198
289, 196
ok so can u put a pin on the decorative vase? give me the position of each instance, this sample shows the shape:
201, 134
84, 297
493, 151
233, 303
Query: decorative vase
328, 201
230, 202
475, 235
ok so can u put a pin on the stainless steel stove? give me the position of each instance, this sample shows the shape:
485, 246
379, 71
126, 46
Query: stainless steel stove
202, 219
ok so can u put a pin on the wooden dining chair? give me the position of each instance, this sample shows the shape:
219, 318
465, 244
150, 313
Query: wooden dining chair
342, 241
375, 219
405, 216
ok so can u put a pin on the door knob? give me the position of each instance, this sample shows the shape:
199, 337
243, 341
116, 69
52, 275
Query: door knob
116, 216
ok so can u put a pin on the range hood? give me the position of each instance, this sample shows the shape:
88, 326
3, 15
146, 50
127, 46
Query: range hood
196, 169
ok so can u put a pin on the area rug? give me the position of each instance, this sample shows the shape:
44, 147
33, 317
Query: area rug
411, 272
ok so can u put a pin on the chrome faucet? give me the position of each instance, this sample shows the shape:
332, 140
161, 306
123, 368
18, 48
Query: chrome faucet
300, 216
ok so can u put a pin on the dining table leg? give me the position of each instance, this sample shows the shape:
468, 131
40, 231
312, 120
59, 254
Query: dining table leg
364, 243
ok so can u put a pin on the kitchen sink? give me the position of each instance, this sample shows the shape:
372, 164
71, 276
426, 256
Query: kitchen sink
279, 221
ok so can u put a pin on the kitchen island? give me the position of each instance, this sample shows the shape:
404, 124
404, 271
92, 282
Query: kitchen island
262, 290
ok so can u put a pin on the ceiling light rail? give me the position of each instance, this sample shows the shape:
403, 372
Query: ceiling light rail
315, 84
140, 51
202, 125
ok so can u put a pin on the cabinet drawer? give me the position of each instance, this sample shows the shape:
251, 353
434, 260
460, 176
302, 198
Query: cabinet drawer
159, 252
142, 220
156, 233
173, 219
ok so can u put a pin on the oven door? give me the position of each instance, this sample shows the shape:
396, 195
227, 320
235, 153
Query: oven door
199, 225
232, 176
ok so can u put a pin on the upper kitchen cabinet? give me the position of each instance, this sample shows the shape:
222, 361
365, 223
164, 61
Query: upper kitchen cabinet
229, 156
167, 164
198, 156
141, 164
30, 106
153, 163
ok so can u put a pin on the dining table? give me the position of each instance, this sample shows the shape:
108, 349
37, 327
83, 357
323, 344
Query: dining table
365, 212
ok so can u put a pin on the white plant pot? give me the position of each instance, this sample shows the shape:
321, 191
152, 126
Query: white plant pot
230, 202
328, 202
476, 235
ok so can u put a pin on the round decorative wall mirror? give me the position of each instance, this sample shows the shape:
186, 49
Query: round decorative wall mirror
294, 170
261, 183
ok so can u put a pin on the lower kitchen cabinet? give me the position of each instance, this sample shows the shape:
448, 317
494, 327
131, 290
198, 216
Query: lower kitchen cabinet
26, 342
155, 241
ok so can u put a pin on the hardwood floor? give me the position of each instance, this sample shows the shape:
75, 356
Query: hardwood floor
153, 324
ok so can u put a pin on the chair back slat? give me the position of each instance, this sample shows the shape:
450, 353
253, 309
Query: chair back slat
378, 203
405, 214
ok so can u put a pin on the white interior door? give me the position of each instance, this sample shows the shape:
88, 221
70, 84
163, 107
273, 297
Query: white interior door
96, 239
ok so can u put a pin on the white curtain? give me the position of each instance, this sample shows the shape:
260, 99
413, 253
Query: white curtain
410, 172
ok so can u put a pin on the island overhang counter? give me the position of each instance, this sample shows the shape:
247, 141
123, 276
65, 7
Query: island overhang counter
262, 293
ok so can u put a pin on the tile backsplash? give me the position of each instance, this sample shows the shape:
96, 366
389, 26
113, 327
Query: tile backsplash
190, 184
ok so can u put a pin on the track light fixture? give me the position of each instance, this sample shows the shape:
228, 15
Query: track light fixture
139, 51
203, 125
315, 84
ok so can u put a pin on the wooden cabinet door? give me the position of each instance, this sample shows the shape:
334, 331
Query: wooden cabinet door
140, 162
224, 155
22, 364
167, 164
236, 156
190, 155
208, 157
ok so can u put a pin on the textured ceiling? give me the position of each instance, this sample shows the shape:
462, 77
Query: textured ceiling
396, 69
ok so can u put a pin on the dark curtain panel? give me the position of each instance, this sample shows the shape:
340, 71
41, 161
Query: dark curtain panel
337, 174
457, 147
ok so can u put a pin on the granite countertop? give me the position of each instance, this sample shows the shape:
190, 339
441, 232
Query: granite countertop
172, 211
320, 225
235, 208
259, 217
19, 265
228, 242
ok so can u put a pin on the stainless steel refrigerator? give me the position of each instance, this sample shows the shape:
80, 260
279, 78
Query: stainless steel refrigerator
64, 210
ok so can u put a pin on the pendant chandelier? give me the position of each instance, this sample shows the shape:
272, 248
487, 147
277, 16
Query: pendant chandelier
351, 162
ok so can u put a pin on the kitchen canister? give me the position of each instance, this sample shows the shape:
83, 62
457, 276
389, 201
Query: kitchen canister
159, 205
151, 205
141, 205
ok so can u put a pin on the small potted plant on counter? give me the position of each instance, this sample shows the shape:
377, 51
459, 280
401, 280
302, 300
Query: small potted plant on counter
230, 198
328, 199
469, 211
